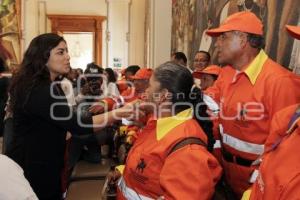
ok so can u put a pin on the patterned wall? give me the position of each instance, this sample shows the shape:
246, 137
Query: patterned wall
192, 17
10, 31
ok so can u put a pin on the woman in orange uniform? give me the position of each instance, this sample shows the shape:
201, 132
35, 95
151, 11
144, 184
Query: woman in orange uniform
169, 159
279, 172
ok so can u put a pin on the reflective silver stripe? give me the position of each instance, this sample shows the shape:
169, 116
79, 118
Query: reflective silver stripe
211, 104
254, 176
129, 193
241, 145
217, 144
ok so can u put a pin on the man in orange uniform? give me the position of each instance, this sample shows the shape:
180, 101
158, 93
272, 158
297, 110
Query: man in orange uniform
279, 173
251, 89
140, 82
201, 60
207, 75
126, 74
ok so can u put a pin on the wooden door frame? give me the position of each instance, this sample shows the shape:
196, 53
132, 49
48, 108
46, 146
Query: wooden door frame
80, 23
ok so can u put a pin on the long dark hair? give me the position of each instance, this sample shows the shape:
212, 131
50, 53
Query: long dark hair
179, 81
2, 65
33, 69
111, 75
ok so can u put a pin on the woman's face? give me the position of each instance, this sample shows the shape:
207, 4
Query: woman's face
59, 60
156, 97
155, 94
106, 74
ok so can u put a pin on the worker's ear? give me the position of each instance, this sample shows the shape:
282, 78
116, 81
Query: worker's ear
244, 39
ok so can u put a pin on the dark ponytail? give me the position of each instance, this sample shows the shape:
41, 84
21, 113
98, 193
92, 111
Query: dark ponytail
200, 114
179, 81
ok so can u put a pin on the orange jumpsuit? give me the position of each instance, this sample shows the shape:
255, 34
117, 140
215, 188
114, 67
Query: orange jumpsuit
130, 95
248, 100
279, 173
190, 172
122, 85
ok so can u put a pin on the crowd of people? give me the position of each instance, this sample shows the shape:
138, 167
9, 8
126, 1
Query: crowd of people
204, 131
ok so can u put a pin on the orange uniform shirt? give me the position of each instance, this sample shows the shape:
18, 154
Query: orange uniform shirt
190, 172
122, 85
248, 100
279, 173
130, 95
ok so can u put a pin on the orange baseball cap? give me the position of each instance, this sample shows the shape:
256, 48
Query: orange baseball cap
244, 21
294, 31
144, 73
212, 69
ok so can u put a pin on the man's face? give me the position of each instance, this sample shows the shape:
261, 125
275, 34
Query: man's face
200, 61
229, 47
128, 76
95, 86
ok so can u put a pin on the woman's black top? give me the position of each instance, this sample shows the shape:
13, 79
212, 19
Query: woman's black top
40, 128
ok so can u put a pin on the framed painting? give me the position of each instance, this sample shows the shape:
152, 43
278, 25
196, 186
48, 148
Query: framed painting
10, 34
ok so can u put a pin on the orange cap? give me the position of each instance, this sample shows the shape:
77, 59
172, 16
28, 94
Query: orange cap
212, 69
244, 21
144, 73
294, 31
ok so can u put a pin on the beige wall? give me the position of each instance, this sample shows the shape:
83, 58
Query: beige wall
118, 28
33, 22
137, 27
160, 31
74, 7
34, 16
77, 7
160, 26
163, 24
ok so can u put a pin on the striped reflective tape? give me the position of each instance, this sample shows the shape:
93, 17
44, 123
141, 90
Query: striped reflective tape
241, 145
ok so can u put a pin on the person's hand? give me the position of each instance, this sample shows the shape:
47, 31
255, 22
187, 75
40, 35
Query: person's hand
130, 111
146, 107
127, 111
97, 108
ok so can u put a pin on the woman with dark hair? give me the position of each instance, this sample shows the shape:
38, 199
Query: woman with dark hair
42, 115
112, 88
170, 158
4, 82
